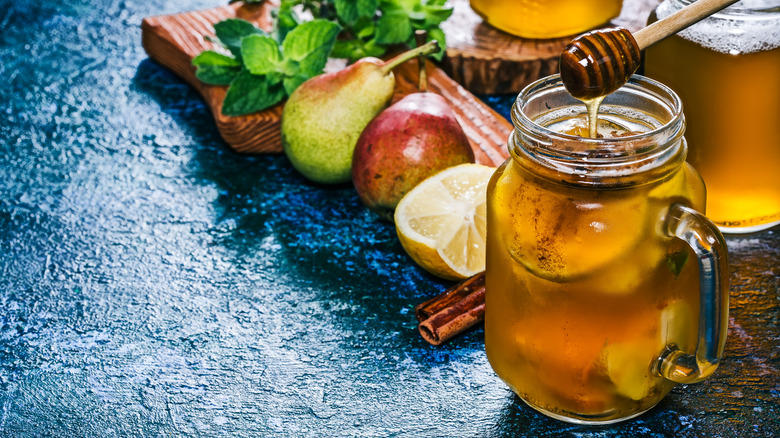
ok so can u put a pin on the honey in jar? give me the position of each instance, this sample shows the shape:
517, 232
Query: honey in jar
546, 18
726, 70
593, 295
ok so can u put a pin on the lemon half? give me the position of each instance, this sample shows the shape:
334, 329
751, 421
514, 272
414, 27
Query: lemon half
441, 222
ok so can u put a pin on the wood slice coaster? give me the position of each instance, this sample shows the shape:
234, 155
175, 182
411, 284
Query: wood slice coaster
488, 61
174, 40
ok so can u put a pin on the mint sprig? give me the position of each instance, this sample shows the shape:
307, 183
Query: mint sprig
349, 11
216, 68
261, 70
250, 93
230, 32
372, 27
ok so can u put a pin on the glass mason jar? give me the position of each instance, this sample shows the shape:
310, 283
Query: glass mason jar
604, 285
726, 70
546, 18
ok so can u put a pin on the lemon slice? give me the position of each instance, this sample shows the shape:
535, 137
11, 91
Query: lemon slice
441, 222
628, 366
562, 234
678, 326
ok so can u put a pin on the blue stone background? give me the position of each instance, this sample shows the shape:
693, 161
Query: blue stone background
155, 283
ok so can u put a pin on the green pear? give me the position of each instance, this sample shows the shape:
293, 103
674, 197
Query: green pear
323, 118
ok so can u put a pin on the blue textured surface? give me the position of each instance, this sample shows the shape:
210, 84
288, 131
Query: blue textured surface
154, 283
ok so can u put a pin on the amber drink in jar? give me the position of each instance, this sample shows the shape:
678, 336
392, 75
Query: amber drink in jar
546, 18
605, 286
726, 70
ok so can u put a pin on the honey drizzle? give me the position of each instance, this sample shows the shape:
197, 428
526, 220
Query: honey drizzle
592, 106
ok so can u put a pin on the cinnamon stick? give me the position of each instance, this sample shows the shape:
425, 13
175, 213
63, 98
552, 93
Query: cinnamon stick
453, 311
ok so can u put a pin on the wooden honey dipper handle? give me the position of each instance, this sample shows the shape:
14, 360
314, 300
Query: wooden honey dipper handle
678, 21
599, 62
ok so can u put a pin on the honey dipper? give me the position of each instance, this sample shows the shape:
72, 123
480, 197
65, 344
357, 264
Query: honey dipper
599, 62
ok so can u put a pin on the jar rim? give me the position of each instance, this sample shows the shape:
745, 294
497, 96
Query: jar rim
741, 8
740, 29
553, 83
596, 160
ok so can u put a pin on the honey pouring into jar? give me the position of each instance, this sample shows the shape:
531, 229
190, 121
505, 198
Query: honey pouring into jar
599, 62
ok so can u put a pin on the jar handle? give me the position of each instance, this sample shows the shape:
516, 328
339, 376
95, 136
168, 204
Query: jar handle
710, 248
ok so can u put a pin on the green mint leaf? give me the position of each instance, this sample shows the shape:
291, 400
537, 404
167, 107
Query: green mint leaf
349, 11
289, 67
367, 8
346, 10
310, 43
215, 68
434, 15
214, 75
210, 57
403, 4
393, 27
356, 49
286, 20
249, 93
260, 54
411, 8
231, 31
416, 14
364, 28
676, 261
371, 48
347, 49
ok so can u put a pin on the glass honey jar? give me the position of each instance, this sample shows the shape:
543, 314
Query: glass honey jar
605, 285
546, 18
726, 70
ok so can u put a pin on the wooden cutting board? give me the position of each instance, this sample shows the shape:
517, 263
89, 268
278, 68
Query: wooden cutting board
173, 40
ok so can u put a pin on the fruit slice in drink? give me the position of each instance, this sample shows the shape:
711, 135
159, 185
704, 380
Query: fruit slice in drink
629, 364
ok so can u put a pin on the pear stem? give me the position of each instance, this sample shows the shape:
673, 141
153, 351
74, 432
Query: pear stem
424, 50
420, 36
